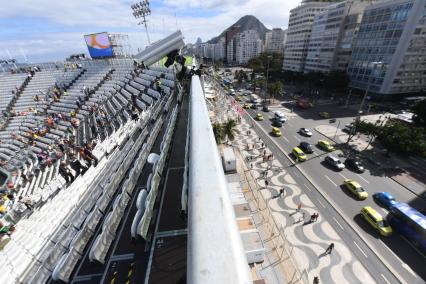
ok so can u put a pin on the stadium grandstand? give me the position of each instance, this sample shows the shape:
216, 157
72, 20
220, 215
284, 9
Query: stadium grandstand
99, 169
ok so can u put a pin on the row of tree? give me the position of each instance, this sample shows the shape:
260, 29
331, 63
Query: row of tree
396, 136
226, 131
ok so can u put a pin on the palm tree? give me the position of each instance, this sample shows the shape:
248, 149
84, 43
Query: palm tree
230, 129
218, 132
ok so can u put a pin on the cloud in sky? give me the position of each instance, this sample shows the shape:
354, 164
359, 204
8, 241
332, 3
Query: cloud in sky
47, 30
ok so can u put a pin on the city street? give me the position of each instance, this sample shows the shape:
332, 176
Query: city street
404, 260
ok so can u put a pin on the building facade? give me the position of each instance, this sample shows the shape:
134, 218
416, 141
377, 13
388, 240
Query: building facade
389, 54
298, 33
333, 33
274, 41
248, 45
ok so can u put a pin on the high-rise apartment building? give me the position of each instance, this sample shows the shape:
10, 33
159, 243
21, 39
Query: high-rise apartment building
248, 45
230, 44
389, 53
274, 41
298, 33
333, 33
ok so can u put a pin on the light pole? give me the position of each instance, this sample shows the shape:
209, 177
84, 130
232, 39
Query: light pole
367, 89
358, 115
141, 10
267, 75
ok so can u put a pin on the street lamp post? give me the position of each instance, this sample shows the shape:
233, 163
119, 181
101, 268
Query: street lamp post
358, 116
367, 89
141, 10
267, 75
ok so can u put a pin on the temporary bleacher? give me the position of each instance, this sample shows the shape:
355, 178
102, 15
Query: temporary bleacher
53, 238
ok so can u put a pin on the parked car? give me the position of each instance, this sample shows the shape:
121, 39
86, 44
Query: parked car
376, 221
306, 147
324, 114
334, 162
384, 198
355, 165
356, 189
276, 131
305, 131
326, 145
253, 106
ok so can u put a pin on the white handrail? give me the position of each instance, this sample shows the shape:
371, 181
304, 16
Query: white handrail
215, 249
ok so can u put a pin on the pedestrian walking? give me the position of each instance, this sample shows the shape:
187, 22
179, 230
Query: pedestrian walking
329, 249
264, 152
266, 183
251, 165
263, 145
65, 172
312, 218
299, 206
316, 278
316, 216
259, 139
281, 192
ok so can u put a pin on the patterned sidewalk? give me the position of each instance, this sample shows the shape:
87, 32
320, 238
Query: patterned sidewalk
305, 241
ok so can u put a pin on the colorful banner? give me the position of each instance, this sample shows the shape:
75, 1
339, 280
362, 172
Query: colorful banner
99, 45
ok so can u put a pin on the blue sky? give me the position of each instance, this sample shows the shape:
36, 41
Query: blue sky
47, 30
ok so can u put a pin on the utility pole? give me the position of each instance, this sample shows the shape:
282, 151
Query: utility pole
267, 75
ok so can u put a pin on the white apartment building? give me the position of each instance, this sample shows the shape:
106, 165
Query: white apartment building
249, 45
389, 53
274, 41
219, 50
298, 33
333, 33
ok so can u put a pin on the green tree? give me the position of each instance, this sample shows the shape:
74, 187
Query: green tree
229, 129
275, 89
419, 111
218, 132
337, 80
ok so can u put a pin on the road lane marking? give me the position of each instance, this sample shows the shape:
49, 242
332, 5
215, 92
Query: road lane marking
307, 187
297, 138
387, 281
286, 139
321, 203
411, 245
363, 178
338, 223
360, 249
342, 176
326, 176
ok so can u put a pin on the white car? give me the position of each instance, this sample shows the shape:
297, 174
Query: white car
334, 162
305, 131
280, 116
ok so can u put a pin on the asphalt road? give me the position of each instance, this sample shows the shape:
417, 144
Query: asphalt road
395, 251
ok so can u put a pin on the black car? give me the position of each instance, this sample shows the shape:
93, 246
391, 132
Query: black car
354, 165
276, 123
265, 108
253, 106
306, 147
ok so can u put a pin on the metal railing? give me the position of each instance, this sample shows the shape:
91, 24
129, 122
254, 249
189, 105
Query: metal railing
215, 249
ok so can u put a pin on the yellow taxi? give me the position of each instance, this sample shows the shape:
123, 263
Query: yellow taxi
259, 116
246, 106
299, 154
326, 145
238, 99
376, 221
324, 114
276, 131
356, 189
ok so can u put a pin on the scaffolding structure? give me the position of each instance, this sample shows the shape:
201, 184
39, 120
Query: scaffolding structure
120, 45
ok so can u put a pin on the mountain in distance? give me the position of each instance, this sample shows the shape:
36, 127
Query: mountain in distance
245, 23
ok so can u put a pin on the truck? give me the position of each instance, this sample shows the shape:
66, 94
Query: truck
229, 161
